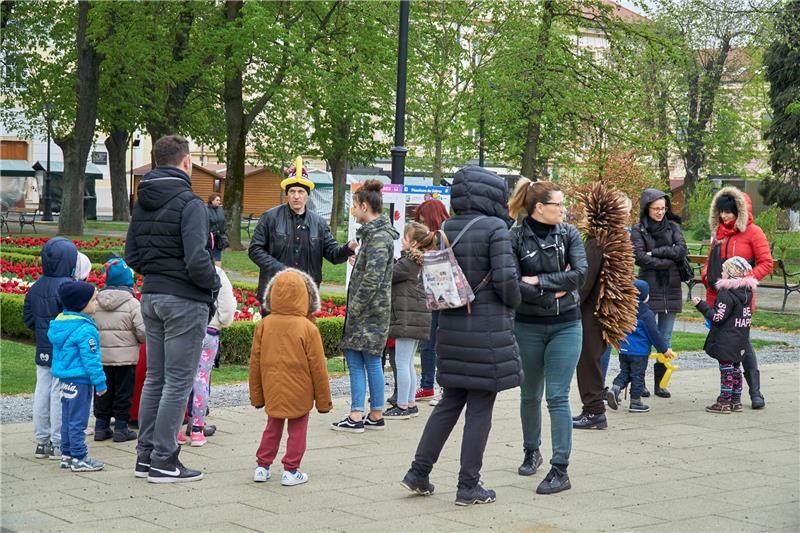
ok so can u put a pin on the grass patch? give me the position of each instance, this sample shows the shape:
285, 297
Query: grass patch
239, 261
18, 369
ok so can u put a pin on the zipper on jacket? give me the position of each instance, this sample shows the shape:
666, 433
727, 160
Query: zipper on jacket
558, 306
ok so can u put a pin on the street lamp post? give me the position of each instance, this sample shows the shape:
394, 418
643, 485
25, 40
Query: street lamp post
134, 144
48, 199
480, 138
399, 150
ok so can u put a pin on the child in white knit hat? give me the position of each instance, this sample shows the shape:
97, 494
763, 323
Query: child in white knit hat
730, 330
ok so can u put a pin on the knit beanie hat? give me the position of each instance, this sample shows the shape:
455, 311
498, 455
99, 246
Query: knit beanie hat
643, 288
736, 267
75, 295
726, 202
118, 273
83, 267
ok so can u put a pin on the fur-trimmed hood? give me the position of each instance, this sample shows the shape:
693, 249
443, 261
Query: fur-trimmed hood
285, 295
746, 282
743, 205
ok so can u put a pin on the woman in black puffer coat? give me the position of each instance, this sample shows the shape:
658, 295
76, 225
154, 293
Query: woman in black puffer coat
659, 249
477, 353
218, 237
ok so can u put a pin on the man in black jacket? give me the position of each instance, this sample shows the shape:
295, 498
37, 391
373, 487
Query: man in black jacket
291, 236
167, 244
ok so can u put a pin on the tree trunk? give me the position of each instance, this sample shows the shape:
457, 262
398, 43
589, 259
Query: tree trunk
236, 136
77, 144
530, 153
662, 126
339, 171
437, 157
117, 146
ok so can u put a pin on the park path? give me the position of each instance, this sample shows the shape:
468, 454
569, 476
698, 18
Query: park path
676, 468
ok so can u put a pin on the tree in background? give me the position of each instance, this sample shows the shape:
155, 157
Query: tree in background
782, 61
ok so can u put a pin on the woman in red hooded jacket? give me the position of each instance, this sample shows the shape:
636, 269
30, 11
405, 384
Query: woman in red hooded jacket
734, 234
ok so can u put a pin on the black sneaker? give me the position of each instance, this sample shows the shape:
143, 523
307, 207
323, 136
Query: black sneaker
662, 393
396, 413
612, 397
637, 406
374, 424
172, 472
556, 480
580, 415
123, 435
588, 421
645, 393
415, 483
101, 434
43, 451
532, 461
142, 465
413, 411
475, 495
349, 425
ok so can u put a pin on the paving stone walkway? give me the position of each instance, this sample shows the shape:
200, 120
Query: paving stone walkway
674, 469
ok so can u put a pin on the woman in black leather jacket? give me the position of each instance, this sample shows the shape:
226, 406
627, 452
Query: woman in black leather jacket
218, 237
552, 265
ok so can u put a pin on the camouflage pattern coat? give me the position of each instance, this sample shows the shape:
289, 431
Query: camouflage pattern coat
369, 296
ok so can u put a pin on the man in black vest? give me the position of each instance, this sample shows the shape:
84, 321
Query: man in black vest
291, 236
166, 243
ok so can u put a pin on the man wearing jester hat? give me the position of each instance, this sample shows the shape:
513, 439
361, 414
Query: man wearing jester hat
291, 236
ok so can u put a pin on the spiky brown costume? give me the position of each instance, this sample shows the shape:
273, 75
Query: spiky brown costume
617, 301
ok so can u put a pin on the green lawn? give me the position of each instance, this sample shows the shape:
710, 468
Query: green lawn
238, 261
762, 319
18, 372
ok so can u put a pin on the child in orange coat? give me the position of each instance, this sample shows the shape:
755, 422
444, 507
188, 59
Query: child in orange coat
288, 372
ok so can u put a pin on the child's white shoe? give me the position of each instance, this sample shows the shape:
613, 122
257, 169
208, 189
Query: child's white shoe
293, 477
262, 474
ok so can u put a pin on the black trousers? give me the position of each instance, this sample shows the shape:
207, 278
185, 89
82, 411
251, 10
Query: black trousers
477, 424
118, 399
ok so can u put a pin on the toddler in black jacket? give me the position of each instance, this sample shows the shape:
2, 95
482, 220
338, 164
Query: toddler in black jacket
730, 330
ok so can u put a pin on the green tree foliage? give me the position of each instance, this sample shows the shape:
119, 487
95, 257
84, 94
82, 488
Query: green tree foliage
782, 61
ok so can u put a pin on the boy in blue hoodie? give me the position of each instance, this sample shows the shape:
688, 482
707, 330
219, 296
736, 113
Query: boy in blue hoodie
77, 363
42, 305
634, 353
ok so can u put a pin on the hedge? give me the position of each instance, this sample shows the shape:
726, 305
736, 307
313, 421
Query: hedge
235, 341
95, 256
11, 323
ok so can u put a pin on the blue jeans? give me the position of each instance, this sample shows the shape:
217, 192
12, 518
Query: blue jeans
666, 322
365, 367
605, 359
631, 370
550, 354
406, 372
427, 352
76, 398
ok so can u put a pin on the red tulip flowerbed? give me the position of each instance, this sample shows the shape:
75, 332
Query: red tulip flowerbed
16, 277
37, 242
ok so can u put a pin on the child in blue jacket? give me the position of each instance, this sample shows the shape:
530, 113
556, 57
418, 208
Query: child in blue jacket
77, 363
59, 257
634, 353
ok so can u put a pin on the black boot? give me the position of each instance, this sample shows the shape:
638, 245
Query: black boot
659, 370
532, 461
102, 430
753, 378
122, 433
555, 481
588, 421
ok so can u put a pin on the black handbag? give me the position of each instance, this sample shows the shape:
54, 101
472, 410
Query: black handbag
686, 270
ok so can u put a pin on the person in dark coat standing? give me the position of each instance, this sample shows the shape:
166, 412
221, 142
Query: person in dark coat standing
218, 235
729, 337
477, 353
552, 263
659, 248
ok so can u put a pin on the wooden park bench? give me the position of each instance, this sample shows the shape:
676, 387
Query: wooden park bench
247, 222
788, 281
25, 216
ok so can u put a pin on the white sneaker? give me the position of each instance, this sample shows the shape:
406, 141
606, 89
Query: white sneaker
88, 431
262, 474
436, 399
295, 477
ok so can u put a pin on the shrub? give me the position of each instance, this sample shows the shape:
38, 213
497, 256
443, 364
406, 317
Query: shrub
698, 206
236, 340
338, 299
11, 322
95, 256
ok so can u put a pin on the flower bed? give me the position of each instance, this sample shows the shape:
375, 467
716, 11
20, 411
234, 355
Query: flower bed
103, 243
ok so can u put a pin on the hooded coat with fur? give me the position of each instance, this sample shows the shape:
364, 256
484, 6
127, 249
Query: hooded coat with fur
288, 371
730, 319
748, 240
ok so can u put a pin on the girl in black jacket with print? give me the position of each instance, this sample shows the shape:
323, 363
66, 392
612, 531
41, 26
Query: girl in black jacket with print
730, 330
552, 263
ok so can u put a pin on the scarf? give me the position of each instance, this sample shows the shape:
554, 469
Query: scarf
660, 231
725, 230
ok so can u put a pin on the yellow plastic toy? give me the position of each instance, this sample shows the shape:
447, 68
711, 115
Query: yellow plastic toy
667, 362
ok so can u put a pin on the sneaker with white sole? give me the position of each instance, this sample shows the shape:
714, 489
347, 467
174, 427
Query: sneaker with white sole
261, 474
87, 464
374, 424
55, 453
142, 468
43, 451
291, 478
172, 472
197, 438
436, 399
397, 413
349, 425
66, 461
